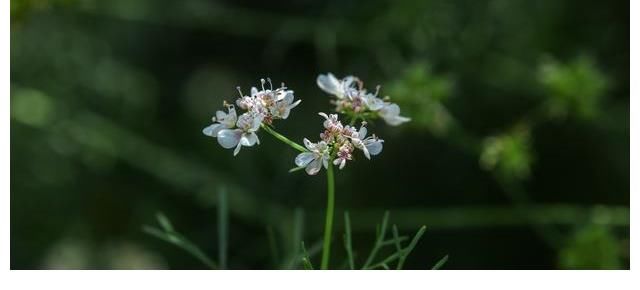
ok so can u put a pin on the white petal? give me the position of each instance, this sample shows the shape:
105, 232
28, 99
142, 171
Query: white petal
325, 161
396, 120
362, 133
314, 167
248, 139
374, 103
287, 99
391, 114
212, 130
296, 103
257, 120
220, 115
237, 150
254, 91
229, 138
329, 84
310, 145
374, 147
389, 111
366, 152
285, 113
304, 158
360, 145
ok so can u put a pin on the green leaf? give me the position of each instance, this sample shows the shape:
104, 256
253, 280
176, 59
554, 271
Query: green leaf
164, 222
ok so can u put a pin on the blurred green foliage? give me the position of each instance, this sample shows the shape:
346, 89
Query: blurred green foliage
519, 135
509, 154
576, 87
592, 247
421, 94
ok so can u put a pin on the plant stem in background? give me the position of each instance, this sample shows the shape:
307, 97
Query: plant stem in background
223, 227
353, 120
283, 138
328, 224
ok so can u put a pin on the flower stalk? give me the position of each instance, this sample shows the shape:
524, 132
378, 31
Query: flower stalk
284, 139
328, 225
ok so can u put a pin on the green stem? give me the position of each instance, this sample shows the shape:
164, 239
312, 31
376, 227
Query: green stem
328, 224
283, 138
353, 119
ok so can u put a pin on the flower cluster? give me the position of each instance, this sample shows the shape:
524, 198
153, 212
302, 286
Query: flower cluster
337, 142
352, 99
263, 106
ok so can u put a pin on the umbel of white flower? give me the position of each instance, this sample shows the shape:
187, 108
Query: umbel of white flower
338, 143
263, 106
353, 99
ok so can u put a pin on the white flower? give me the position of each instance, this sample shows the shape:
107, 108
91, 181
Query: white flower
262, 107
244, 135
391, 114
317, 157
283, 105
353, 99
338, 142
272, 104
371, 145
221, 121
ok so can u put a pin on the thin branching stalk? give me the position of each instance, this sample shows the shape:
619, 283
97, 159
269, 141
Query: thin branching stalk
412, 245
379, 239
328, 225
440, 263
282, 138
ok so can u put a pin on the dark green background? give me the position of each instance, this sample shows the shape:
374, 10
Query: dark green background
517, 156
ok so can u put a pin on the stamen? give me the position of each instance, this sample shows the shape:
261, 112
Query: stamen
239, 91
270, 84
377, 90
262, 81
